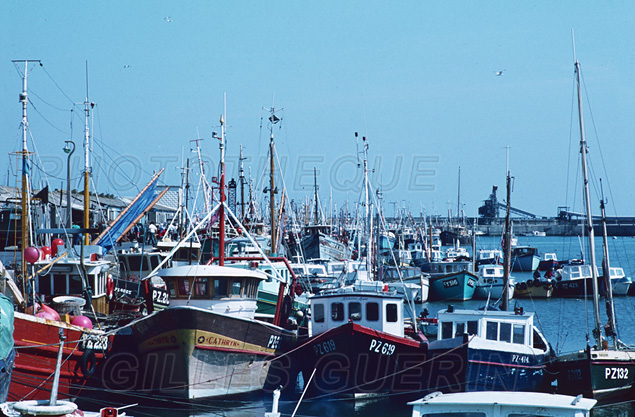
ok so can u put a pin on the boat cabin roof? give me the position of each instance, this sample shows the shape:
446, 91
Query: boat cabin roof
378, 311
210, 271
502, 404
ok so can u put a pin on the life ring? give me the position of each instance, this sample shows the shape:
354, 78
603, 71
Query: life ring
110, 287
88, 363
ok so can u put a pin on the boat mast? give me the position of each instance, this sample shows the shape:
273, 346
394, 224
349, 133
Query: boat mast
508, 246
273, 119
87, 169
458, 204
24, 215
611, 327
221, 208
241, 178
315, 187
587, 199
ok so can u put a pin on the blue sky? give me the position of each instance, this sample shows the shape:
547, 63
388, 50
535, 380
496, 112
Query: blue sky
417, 78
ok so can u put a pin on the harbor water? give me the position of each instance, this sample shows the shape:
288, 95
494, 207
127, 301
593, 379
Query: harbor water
564, 322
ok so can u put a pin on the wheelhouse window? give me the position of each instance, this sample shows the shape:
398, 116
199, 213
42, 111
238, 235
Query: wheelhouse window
183, 287
171, 287
355, 311
491, 332
505, 332
472, 327
200, 287
74, 284
460, 329
391, 313
372, 311
519, 334
318, 313
236, 288
337, 311
446, 330
220, 288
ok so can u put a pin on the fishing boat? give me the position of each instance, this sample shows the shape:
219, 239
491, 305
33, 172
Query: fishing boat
490, 283
534, 288
488, 257
606, 369
457, 286
501, 404
524, 258
208, 339
358, 345
488, 350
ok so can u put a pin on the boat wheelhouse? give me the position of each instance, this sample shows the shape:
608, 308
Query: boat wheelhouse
489, 350
524, 259
490, 283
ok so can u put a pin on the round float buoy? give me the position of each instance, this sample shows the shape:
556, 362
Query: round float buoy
31, 254
43, 408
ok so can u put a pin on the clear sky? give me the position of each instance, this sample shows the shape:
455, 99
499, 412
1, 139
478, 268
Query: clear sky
417, 78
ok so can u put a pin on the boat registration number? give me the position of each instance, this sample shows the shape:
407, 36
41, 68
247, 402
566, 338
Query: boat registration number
324, 347
94, 343
471, 282
160, 297
451, 283
615, 373
384, 348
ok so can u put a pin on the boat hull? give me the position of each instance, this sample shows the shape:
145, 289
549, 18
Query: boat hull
604, 375
37, 343
533, 289
458, 286
352, 361
471, 364
525, 263
191, 353
321, 246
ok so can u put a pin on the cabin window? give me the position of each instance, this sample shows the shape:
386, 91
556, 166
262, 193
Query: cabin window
184, 286
236, 287
337, 311
491, 330
220, 288
154, 262
472, 327
539, 342
505, 332
171, 287
318, 313
200, 287
446, 330
74, 285
355, 311
460, 329
391, 313
44, 285
519, 334
372, 311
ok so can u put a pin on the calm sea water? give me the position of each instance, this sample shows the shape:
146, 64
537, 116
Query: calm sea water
564, 323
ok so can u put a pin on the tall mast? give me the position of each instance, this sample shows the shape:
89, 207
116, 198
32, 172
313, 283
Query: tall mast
508, 244
241, 178
315, 186
458, 204
273, 119
87, 170
611, 327
587, 202
24, 215
221, 217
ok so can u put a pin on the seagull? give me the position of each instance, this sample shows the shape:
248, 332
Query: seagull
126, 66
168, 19
498, 73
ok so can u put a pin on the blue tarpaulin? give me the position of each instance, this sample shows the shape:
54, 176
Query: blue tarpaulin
109, 239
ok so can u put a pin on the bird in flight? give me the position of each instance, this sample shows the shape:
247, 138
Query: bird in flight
168, 19
498, 73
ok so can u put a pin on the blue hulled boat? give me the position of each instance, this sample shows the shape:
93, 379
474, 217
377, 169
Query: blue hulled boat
457, 286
